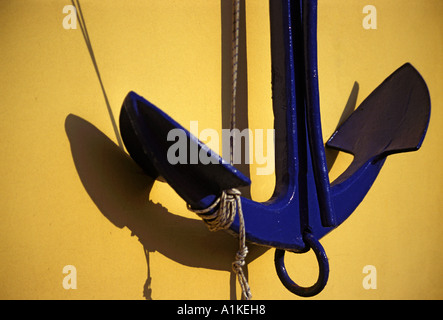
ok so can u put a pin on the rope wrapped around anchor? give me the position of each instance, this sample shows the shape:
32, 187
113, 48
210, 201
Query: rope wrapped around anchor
229, 203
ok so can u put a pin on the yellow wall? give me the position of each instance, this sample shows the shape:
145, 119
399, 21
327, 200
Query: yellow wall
69, 196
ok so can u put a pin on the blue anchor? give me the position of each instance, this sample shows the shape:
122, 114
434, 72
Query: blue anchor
305, 205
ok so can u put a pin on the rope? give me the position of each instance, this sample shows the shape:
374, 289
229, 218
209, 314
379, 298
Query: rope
235, 54
229, 203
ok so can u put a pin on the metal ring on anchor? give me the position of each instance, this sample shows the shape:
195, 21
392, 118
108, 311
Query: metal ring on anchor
323, 264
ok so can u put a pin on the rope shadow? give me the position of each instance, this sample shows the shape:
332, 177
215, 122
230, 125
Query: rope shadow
82, 23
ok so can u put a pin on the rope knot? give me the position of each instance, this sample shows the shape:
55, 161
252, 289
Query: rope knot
240, 258
237, 266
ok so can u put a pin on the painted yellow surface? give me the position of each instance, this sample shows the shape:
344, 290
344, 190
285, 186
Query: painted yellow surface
71, 196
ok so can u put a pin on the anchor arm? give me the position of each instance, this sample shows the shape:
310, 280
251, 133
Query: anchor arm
393, 119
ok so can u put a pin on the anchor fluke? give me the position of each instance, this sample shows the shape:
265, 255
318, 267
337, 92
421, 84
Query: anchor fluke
145, 129
392, 119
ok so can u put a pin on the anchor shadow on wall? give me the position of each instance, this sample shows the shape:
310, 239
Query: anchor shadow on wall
120, 190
